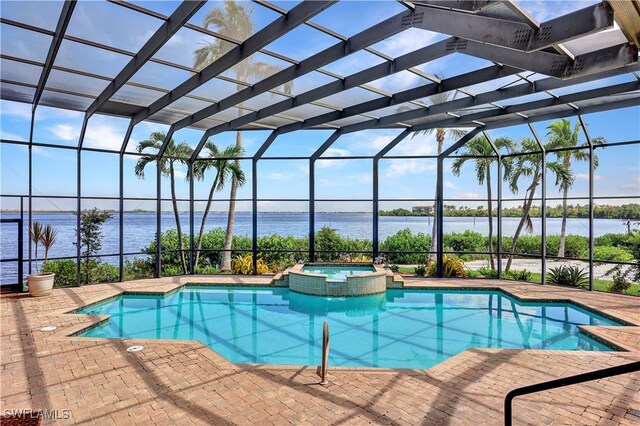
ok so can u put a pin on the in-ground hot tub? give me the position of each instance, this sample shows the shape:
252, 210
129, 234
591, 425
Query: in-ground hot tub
337, 279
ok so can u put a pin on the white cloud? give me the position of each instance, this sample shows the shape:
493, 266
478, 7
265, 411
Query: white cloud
58, 154
407, 41
15, 109
449, 185
337, 152
399, 167
279, 176
420, 144
180, 172
11, 136
103, 135
633, 184
332, 152
66, 132
363, 178
463, 195
585, 176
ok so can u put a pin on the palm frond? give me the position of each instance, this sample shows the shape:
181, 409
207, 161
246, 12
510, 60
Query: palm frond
528, 224
141, 164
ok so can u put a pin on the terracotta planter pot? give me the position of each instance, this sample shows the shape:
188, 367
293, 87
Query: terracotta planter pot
40, 285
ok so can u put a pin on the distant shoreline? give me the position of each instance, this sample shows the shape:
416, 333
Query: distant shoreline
382, 214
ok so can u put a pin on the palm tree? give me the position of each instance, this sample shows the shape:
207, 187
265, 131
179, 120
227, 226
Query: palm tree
560, 135
174, 154
530, 165
233, 20
486, 157
225, 168
441, 135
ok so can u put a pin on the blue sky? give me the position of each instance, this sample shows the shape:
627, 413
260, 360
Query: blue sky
339, 179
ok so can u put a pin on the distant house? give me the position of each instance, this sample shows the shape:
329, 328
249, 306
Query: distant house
422, 209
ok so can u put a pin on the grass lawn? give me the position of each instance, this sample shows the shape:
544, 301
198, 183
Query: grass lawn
598, 284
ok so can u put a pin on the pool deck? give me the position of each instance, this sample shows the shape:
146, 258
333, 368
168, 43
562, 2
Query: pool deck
184, 382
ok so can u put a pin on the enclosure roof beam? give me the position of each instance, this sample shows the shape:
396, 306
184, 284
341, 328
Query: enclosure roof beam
372, 35
393, 144
58, 36
543, 61
514, 34
453, 83
265, 145
460, 143
606, 104
282, 25
404, 62
467, 119
326, 145
551, 64
493, 145
466, 5
481, 99
181, 16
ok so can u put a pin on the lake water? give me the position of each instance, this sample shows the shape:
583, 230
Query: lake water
140, 229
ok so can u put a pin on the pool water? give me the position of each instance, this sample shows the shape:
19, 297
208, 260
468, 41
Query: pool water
338, 272
397, 329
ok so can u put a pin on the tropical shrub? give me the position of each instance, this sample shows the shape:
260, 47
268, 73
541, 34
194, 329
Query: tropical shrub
621, 281
207, 270
612, 254
488, 272
138, 268
354, 258
519, 275
466, 241
452, 267
420, 270
330, 245
171, 270
243, 265
394, 268
618, 240
65, 270
92, 271
567, 276
406, 241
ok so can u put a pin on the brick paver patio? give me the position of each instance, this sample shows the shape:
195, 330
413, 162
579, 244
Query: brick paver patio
183, 382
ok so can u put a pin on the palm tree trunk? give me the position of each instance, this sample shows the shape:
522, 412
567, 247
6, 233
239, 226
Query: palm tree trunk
177, 216
204, 219
228, 238
525, 212
563, 228
490, 214
434, 228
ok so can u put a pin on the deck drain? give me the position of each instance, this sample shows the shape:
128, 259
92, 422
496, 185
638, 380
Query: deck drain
134, 348
48, 328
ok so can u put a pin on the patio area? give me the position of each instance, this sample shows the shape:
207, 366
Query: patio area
183, 382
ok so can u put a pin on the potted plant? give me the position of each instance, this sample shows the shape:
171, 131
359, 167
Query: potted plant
40, 284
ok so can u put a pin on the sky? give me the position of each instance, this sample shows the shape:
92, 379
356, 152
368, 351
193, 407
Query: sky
337, 179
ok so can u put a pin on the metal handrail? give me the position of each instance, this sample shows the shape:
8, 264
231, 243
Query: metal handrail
565, 381
325, 354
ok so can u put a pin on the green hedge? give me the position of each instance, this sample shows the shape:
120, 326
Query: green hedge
290, 250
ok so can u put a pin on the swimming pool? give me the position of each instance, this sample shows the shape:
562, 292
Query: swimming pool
338, 272
396, 329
